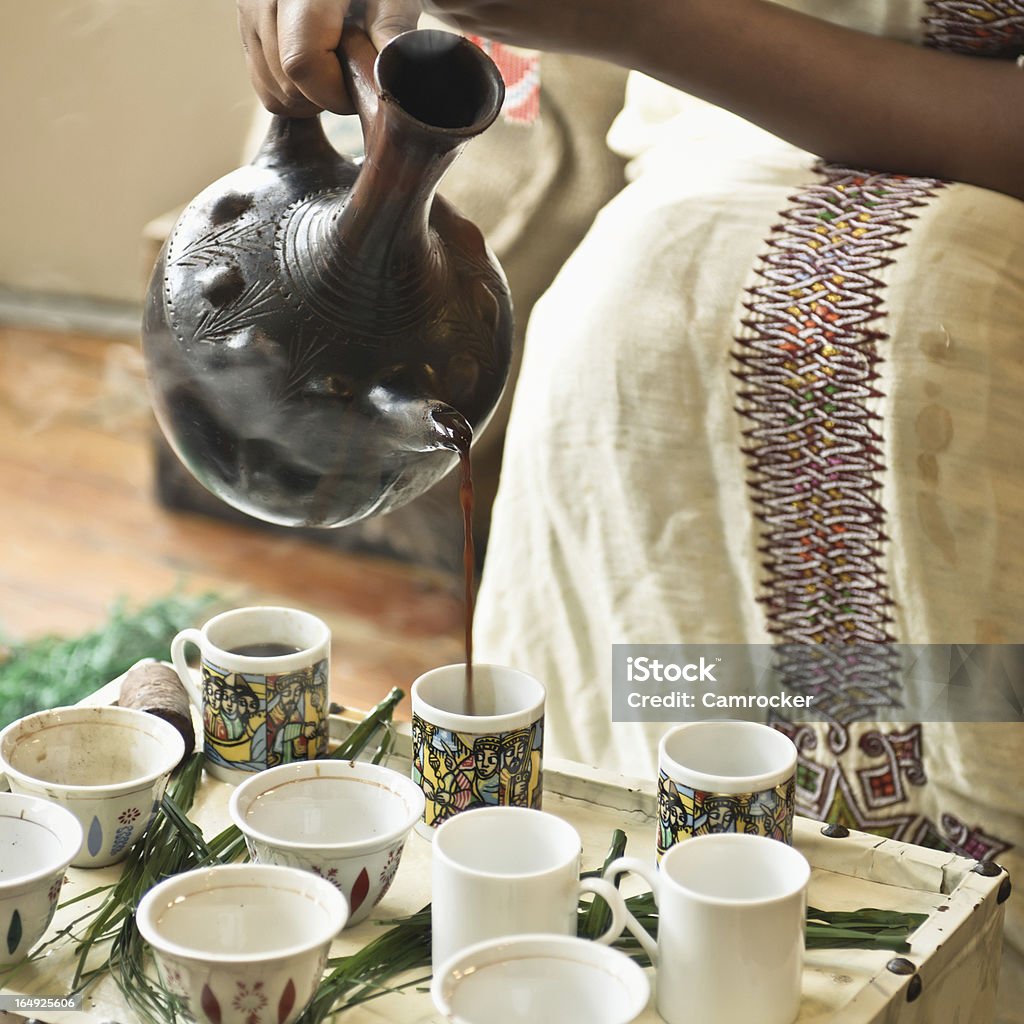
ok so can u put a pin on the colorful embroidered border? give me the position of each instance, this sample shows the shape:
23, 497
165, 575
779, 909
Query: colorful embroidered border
808, 380
990, 28
878, 797
815, 456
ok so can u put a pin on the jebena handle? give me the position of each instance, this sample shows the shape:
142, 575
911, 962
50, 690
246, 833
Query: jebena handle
649, 873
186, 636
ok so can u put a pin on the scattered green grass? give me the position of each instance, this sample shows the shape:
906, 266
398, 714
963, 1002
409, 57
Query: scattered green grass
54, 671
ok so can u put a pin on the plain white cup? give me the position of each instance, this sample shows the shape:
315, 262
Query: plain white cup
38, 840
500, 871
234, 939
346, 821
108, 766
731, 910
540, 979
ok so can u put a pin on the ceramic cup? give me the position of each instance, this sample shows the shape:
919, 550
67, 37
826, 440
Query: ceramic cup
346, 821
500, 871
242, 942
38, 840
725, 777
108, 766
264, 701
484, 754
731, 911
540, 979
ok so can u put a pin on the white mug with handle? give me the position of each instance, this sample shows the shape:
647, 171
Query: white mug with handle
501, 871
731, 910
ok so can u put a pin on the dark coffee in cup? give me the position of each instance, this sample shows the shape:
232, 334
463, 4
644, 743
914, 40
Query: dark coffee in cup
269, 649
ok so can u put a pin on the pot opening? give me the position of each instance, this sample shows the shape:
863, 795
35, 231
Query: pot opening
441, 79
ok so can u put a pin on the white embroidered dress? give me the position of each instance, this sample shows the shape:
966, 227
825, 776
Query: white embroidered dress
769, 399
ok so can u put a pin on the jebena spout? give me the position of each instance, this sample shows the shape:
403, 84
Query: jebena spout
424, 424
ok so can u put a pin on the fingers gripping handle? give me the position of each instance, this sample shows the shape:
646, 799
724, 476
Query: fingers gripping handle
187, 636
358, 57
649, 874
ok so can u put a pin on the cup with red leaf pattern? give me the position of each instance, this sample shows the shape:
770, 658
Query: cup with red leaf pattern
237, 943
346, 821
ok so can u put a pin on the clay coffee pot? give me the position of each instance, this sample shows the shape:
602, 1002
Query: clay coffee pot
321, 338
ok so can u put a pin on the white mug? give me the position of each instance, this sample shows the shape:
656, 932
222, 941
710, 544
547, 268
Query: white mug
500, 871
731, 910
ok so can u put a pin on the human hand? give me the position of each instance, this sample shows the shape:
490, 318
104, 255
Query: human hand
290, 48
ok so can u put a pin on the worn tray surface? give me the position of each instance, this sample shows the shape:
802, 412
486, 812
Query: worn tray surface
956, 951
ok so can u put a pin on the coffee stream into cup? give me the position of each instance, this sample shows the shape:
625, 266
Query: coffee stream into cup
455, 433
468, 564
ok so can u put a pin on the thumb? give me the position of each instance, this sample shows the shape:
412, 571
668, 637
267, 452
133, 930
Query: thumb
386, 19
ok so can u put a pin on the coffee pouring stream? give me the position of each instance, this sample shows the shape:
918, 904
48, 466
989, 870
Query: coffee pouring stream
323, 339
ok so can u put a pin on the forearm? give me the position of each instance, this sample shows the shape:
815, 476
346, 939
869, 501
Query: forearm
844, 95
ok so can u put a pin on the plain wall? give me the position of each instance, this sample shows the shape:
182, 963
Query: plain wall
111, 113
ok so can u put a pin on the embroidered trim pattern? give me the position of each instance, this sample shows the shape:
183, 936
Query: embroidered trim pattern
985, 28
848, 682
875, 798
808, 379
808, 384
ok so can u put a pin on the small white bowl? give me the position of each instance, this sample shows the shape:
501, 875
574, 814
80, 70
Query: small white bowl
234, 940
540, 979
38, 840
346, 821
108, 766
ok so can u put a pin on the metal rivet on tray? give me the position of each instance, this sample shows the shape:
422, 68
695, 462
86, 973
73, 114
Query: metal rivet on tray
835, 831
988, 868
1004, 890
914, 988
900, 965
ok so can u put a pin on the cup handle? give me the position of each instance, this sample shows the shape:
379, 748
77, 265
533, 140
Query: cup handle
187, 636
616, 904
648, 872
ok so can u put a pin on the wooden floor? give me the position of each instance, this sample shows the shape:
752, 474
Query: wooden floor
79, 528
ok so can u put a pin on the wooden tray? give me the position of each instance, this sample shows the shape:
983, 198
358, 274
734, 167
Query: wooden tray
956, 951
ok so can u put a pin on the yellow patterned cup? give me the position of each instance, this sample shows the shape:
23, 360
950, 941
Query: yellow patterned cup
483, 750
265, 678
725, 777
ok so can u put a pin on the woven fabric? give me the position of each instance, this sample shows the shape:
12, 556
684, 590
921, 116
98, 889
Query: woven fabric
771, 399
520, 70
